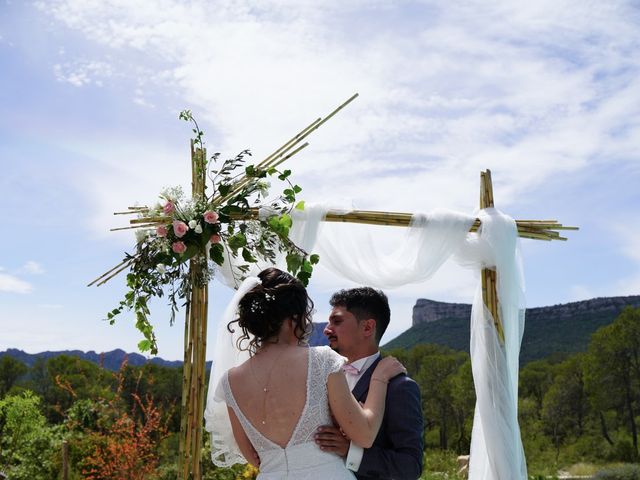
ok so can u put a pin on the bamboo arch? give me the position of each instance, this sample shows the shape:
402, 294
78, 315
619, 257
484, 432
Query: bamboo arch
195, 334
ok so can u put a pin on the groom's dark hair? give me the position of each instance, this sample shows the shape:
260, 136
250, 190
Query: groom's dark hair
364, 303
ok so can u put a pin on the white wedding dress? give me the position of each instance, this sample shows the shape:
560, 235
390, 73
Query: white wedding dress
301, 459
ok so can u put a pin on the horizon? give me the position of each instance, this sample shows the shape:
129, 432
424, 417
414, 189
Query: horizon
151, 357
545, 95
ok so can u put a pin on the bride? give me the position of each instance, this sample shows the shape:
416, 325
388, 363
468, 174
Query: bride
279, 397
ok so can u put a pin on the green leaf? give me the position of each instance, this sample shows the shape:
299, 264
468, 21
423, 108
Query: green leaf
224, 189
294, 262
274, 222
237, 241
297, 188
286, 221
144, 345
283, 176
216, 252
314, 259
246, 255
303, 277
300, 205
307, 267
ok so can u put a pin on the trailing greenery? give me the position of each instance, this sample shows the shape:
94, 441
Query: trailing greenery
210, 229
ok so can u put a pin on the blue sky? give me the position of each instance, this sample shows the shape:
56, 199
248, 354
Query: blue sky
546, 95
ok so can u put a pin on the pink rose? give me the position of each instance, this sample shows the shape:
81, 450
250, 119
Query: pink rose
179, 247
180, 228
168, 208
215, 238
210, 216
162, 231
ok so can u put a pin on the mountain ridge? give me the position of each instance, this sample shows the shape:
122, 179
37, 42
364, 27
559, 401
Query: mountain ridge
557, 329
113, 359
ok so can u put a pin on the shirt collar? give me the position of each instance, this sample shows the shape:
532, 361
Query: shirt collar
363, 363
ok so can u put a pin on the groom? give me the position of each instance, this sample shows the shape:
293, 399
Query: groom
358, 319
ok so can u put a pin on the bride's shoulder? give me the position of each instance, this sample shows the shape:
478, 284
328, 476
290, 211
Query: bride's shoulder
328, 354
238, 370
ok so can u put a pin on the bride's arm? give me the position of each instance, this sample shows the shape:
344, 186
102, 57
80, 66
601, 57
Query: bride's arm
246, 448
361, 424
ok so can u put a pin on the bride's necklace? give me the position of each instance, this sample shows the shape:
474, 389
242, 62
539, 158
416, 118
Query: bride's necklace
265, 388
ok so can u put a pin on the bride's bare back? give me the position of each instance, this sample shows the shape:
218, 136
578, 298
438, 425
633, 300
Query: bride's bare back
282, 371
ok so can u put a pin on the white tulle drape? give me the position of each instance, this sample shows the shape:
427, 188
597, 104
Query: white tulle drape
224, 449
496, 446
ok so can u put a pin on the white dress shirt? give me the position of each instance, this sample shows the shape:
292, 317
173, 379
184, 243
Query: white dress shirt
354, 456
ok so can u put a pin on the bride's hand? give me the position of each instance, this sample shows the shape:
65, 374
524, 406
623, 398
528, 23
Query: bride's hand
388, 368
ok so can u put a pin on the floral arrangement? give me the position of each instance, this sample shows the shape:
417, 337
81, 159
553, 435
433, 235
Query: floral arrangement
214, 226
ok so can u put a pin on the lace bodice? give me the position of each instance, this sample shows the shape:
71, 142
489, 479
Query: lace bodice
301, 454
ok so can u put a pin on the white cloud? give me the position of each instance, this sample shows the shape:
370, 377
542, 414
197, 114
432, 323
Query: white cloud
536, 92
81, 73
32, 267
511, 87
12, 284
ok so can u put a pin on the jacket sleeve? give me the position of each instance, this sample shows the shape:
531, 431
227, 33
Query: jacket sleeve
399, 448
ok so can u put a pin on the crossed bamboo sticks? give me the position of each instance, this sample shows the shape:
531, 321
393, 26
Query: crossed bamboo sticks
535, 229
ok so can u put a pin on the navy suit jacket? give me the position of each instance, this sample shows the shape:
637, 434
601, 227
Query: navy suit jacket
398, 450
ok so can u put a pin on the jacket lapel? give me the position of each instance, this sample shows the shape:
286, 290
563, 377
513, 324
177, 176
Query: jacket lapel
362, 387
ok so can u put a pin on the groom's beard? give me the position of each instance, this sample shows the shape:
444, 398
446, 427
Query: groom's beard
333, 344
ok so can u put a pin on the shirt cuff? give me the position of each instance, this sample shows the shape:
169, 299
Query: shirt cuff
354, 457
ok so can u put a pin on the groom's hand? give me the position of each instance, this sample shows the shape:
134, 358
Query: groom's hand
331, 439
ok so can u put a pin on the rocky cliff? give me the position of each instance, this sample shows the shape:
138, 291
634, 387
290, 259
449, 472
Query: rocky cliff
426, 311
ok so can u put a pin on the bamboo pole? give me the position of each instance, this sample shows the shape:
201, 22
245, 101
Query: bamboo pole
532, 229
127, 261
489, 275
191, 420
273, 159
183, 460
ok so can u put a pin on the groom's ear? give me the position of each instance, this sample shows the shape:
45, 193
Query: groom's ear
369, 327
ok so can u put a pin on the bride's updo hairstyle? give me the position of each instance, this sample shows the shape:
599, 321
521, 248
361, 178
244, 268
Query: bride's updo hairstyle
265, 307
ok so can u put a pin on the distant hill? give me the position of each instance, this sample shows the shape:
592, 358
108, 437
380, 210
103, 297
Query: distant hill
113, 359
557, 329
109, 360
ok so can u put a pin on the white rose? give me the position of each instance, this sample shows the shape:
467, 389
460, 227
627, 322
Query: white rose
192, 224
161, 268
141, 235
198, 228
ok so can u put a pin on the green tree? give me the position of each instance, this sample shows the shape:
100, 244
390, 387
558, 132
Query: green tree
463, 402
612, 373
162, 384
10, 371
27, 445
436, 384
535, 379
66, 379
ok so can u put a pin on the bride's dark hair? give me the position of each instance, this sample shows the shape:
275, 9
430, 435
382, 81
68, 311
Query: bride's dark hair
265, 307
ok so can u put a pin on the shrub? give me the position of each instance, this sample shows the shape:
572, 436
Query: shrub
28, 447
621, 472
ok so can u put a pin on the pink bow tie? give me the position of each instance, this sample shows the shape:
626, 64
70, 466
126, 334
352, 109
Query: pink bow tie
350, 369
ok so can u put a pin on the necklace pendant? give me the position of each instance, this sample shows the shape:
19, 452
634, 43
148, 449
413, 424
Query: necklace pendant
265, 390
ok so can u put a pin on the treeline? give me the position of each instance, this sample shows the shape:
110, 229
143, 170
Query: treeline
114, 425
124, 425
579, 408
